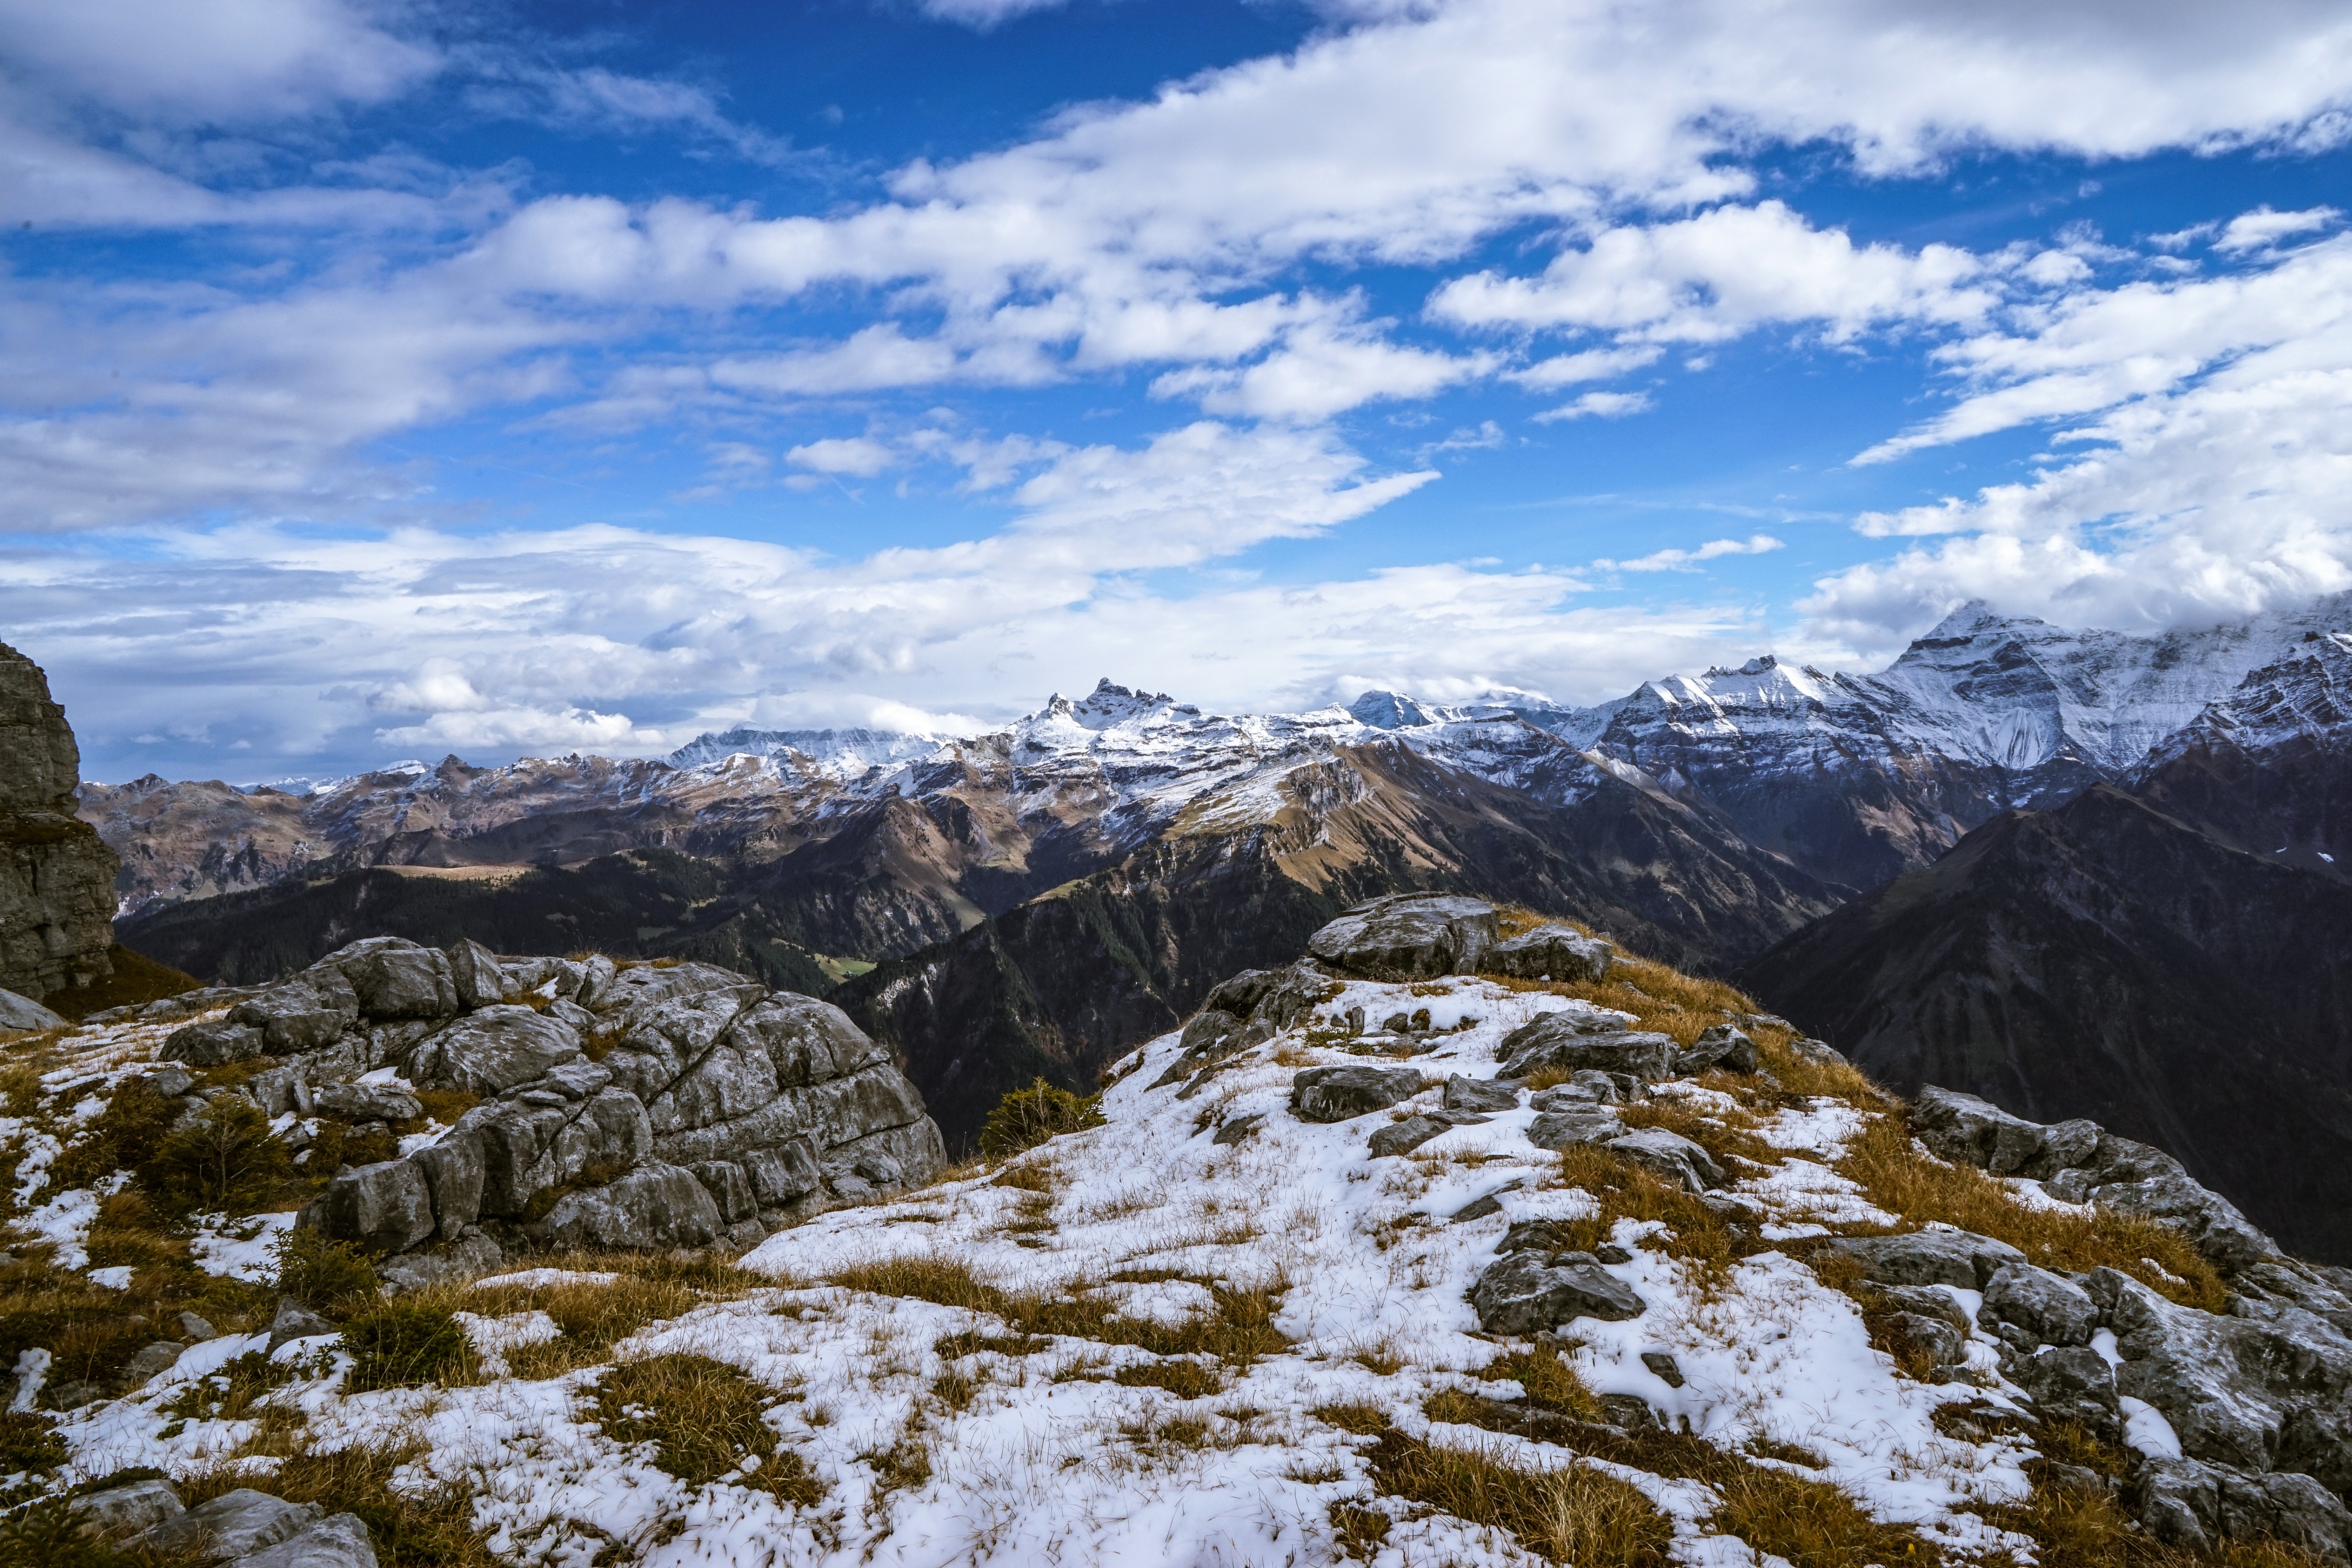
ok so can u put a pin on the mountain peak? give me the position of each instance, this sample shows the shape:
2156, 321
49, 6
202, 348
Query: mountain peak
1390, 710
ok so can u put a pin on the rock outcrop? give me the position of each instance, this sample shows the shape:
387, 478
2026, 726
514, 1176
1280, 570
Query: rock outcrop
57, 878
639, 1106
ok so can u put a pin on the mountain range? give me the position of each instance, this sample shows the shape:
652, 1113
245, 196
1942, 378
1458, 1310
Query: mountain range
1034, 900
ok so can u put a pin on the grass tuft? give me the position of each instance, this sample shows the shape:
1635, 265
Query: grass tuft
1027, 1117
706, 1421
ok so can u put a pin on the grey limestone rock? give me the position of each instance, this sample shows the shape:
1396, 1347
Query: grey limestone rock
151, 1363
1957, 1258
212, 1042
1408, 936
1238, 1129
2053, 1310
2255, 1394
56, 877
367, 1101
1479, 1094
195, 1327
1574, 1125
305, 1013
294, 1321
1671, 1157
730, 1187
481, 980
23, 1015
1521, 1292
117, 1512
783, 1173
1721, 1046
468, 1257
2072, 1382
1553, 950
385, 1208
1568, 1041
1404, 1137
234, 1525
1943, 1344
493, 1049
2195, 1505
1339, 1093
397, 979
654, 1205
339, 1541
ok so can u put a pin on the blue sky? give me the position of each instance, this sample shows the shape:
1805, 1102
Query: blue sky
391, 381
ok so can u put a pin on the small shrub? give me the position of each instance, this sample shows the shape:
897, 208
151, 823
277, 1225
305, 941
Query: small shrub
1027, 1117
48, 1534
29, 1443
226, 1158
330, 1277
402, 1346
706, 1422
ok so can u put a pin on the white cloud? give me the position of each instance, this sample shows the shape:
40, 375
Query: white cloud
1720, 274
857, 455
226, 60
2261, 228
1689, 559
985, 14
2096, 347
1598, 405
1590, 365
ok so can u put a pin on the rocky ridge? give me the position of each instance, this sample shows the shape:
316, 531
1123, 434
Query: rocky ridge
55, 874
1616, 1243
617, 1106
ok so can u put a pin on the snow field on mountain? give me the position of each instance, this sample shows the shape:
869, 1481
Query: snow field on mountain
1005, 1377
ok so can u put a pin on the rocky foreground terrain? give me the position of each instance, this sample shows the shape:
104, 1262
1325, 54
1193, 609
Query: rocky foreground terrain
1467, 1237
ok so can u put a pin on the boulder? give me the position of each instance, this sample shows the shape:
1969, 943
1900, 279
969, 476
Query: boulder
23, 1015
785, 1042
1238, 1129
1933, 1337
2193, 1505
1968, 1130
1295, 993
2053, 1310
470, 1257
366, 1103
1404, 1137
1551, 950
117, 1512
1237, 995
1521, 1294
782, 1173
1339, 1093
642, 985
529, 1148
1589, 1086
730, 1187
339, 1541
305, 1013
1568, 1042
385, 1208
294, 1321
194, 1328
212, 1043
1721, 1046
57, 876
2071, 1382
151, 1361
656, 1206
1408, 936
2255, 1394
493, 1049
1671, 1157
397, 979
1956, 1257
481, 980
1479, 1094
234, 1525
454, 1170
1575, 1124
836, 1113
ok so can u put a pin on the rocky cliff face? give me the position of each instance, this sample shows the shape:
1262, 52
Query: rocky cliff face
57, 878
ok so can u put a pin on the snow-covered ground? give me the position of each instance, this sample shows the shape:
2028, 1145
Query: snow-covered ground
1035, 1452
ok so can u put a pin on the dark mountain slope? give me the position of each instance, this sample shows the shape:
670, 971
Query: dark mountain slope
1063, 983
647, 904
2112, 961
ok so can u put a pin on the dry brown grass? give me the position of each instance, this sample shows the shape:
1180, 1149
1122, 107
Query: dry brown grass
1810, 1522
1185, 1379
1694, 1232
1900, 1179
1728, 1135
1551, 1384
428, 1529
1574, 1515
593, 1316
706, 1422
1238, 1331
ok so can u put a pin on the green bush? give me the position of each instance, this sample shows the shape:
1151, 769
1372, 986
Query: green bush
330, 1277
28, 1443
226, 1158
402, 1346
1027, 1117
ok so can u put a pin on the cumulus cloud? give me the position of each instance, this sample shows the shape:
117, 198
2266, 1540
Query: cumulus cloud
1690, 559
2263, 228
857, 456
1598, 405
